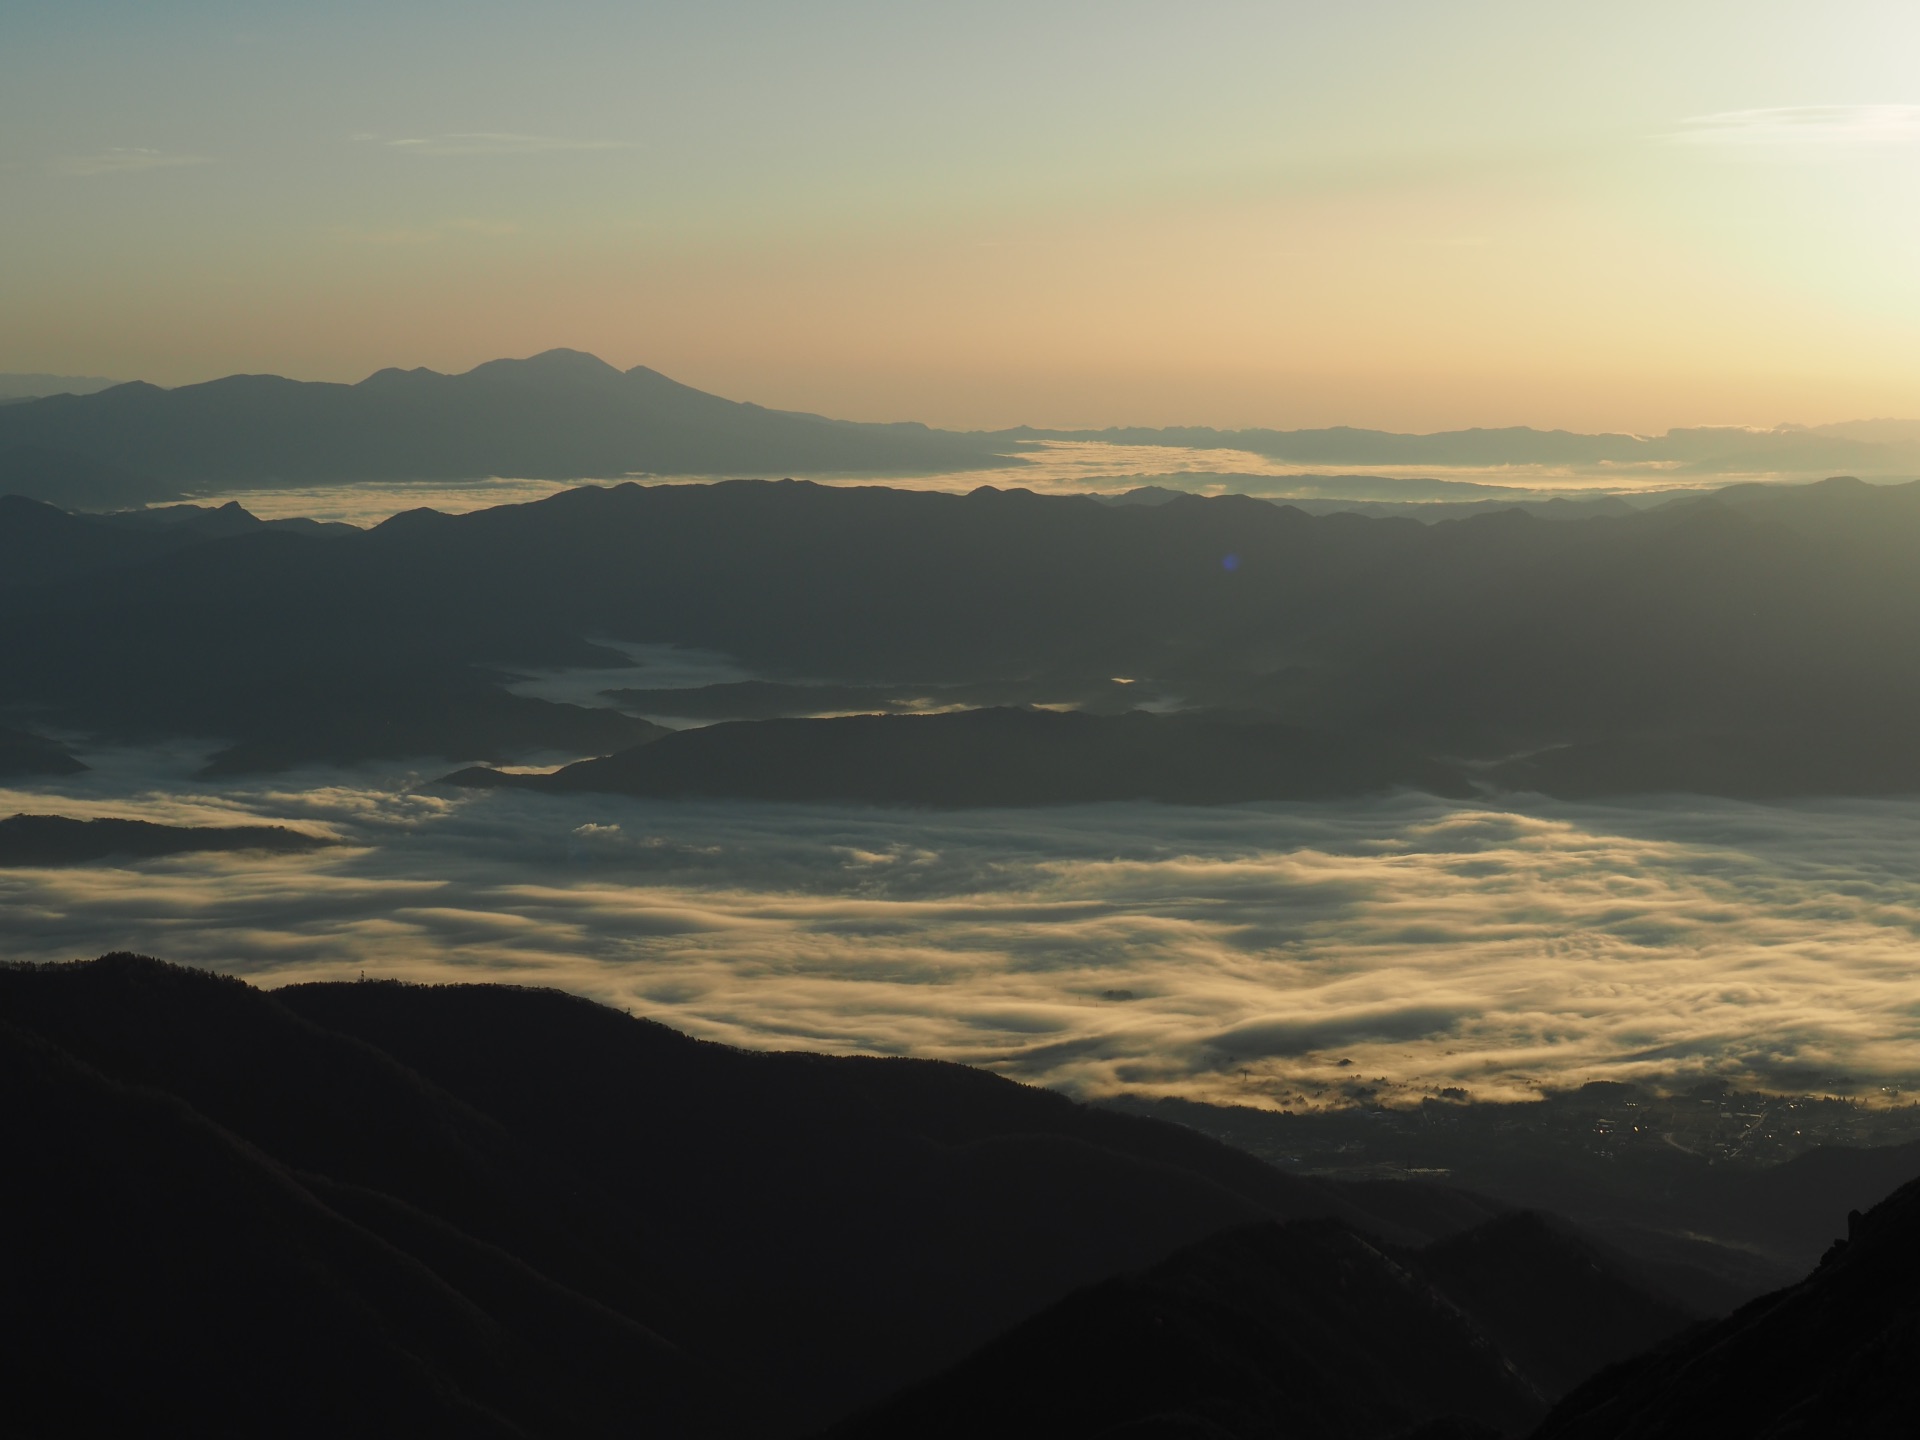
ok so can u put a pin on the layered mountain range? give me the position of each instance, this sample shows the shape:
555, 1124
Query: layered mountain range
1755, 641
569, 415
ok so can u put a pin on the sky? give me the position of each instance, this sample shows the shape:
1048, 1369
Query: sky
1056, 212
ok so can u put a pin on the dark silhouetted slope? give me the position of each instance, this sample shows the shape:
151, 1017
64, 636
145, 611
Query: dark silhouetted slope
1652, 1177
1558, 1306
41, 543
64, 840
78, 481
1832, 1356
18, 385
637, 1223
167, 1277
1306, 1330
881, 1217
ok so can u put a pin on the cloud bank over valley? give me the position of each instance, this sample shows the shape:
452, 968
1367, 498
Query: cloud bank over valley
1283, 955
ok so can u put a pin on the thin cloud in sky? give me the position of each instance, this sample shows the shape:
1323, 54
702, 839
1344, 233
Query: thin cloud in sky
123, 159
1804, 126
503, 143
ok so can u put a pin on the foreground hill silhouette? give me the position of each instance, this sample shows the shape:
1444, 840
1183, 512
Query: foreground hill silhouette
479, 1210
1303, 1328
1286, 1330
1833, 1355
561, 413
451, 1209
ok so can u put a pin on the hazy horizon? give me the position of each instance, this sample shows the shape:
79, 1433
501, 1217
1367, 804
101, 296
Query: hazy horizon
13, 385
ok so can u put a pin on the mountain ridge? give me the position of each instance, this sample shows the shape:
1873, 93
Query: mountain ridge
559, 414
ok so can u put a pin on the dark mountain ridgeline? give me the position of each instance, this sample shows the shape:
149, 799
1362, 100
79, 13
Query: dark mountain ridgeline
209, 1257
82, 482
567, 414
744, 1243
133, 626
1303, 1329
1833, 1355
1669, 1180
40, 543
559, 414
479, 1210
64, 840
186, 524
26, 385
1759, 641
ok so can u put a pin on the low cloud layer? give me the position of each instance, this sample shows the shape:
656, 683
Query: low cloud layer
1239, 953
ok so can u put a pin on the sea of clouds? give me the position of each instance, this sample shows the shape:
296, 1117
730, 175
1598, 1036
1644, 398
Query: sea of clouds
1054, 467
1230, 953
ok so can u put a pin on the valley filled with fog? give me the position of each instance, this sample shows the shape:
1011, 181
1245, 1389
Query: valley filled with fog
1111, 469
1273, 954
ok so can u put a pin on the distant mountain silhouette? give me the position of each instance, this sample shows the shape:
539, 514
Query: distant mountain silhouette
1304, 1329
1833, 1355
187, 524
19, 385
63, 840
311, 673
76, 481
562, 413
999, 757
40, 542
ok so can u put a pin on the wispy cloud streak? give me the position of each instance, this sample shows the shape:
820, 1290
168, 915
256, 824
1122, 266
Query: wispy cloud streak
503, 143
1804, 127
